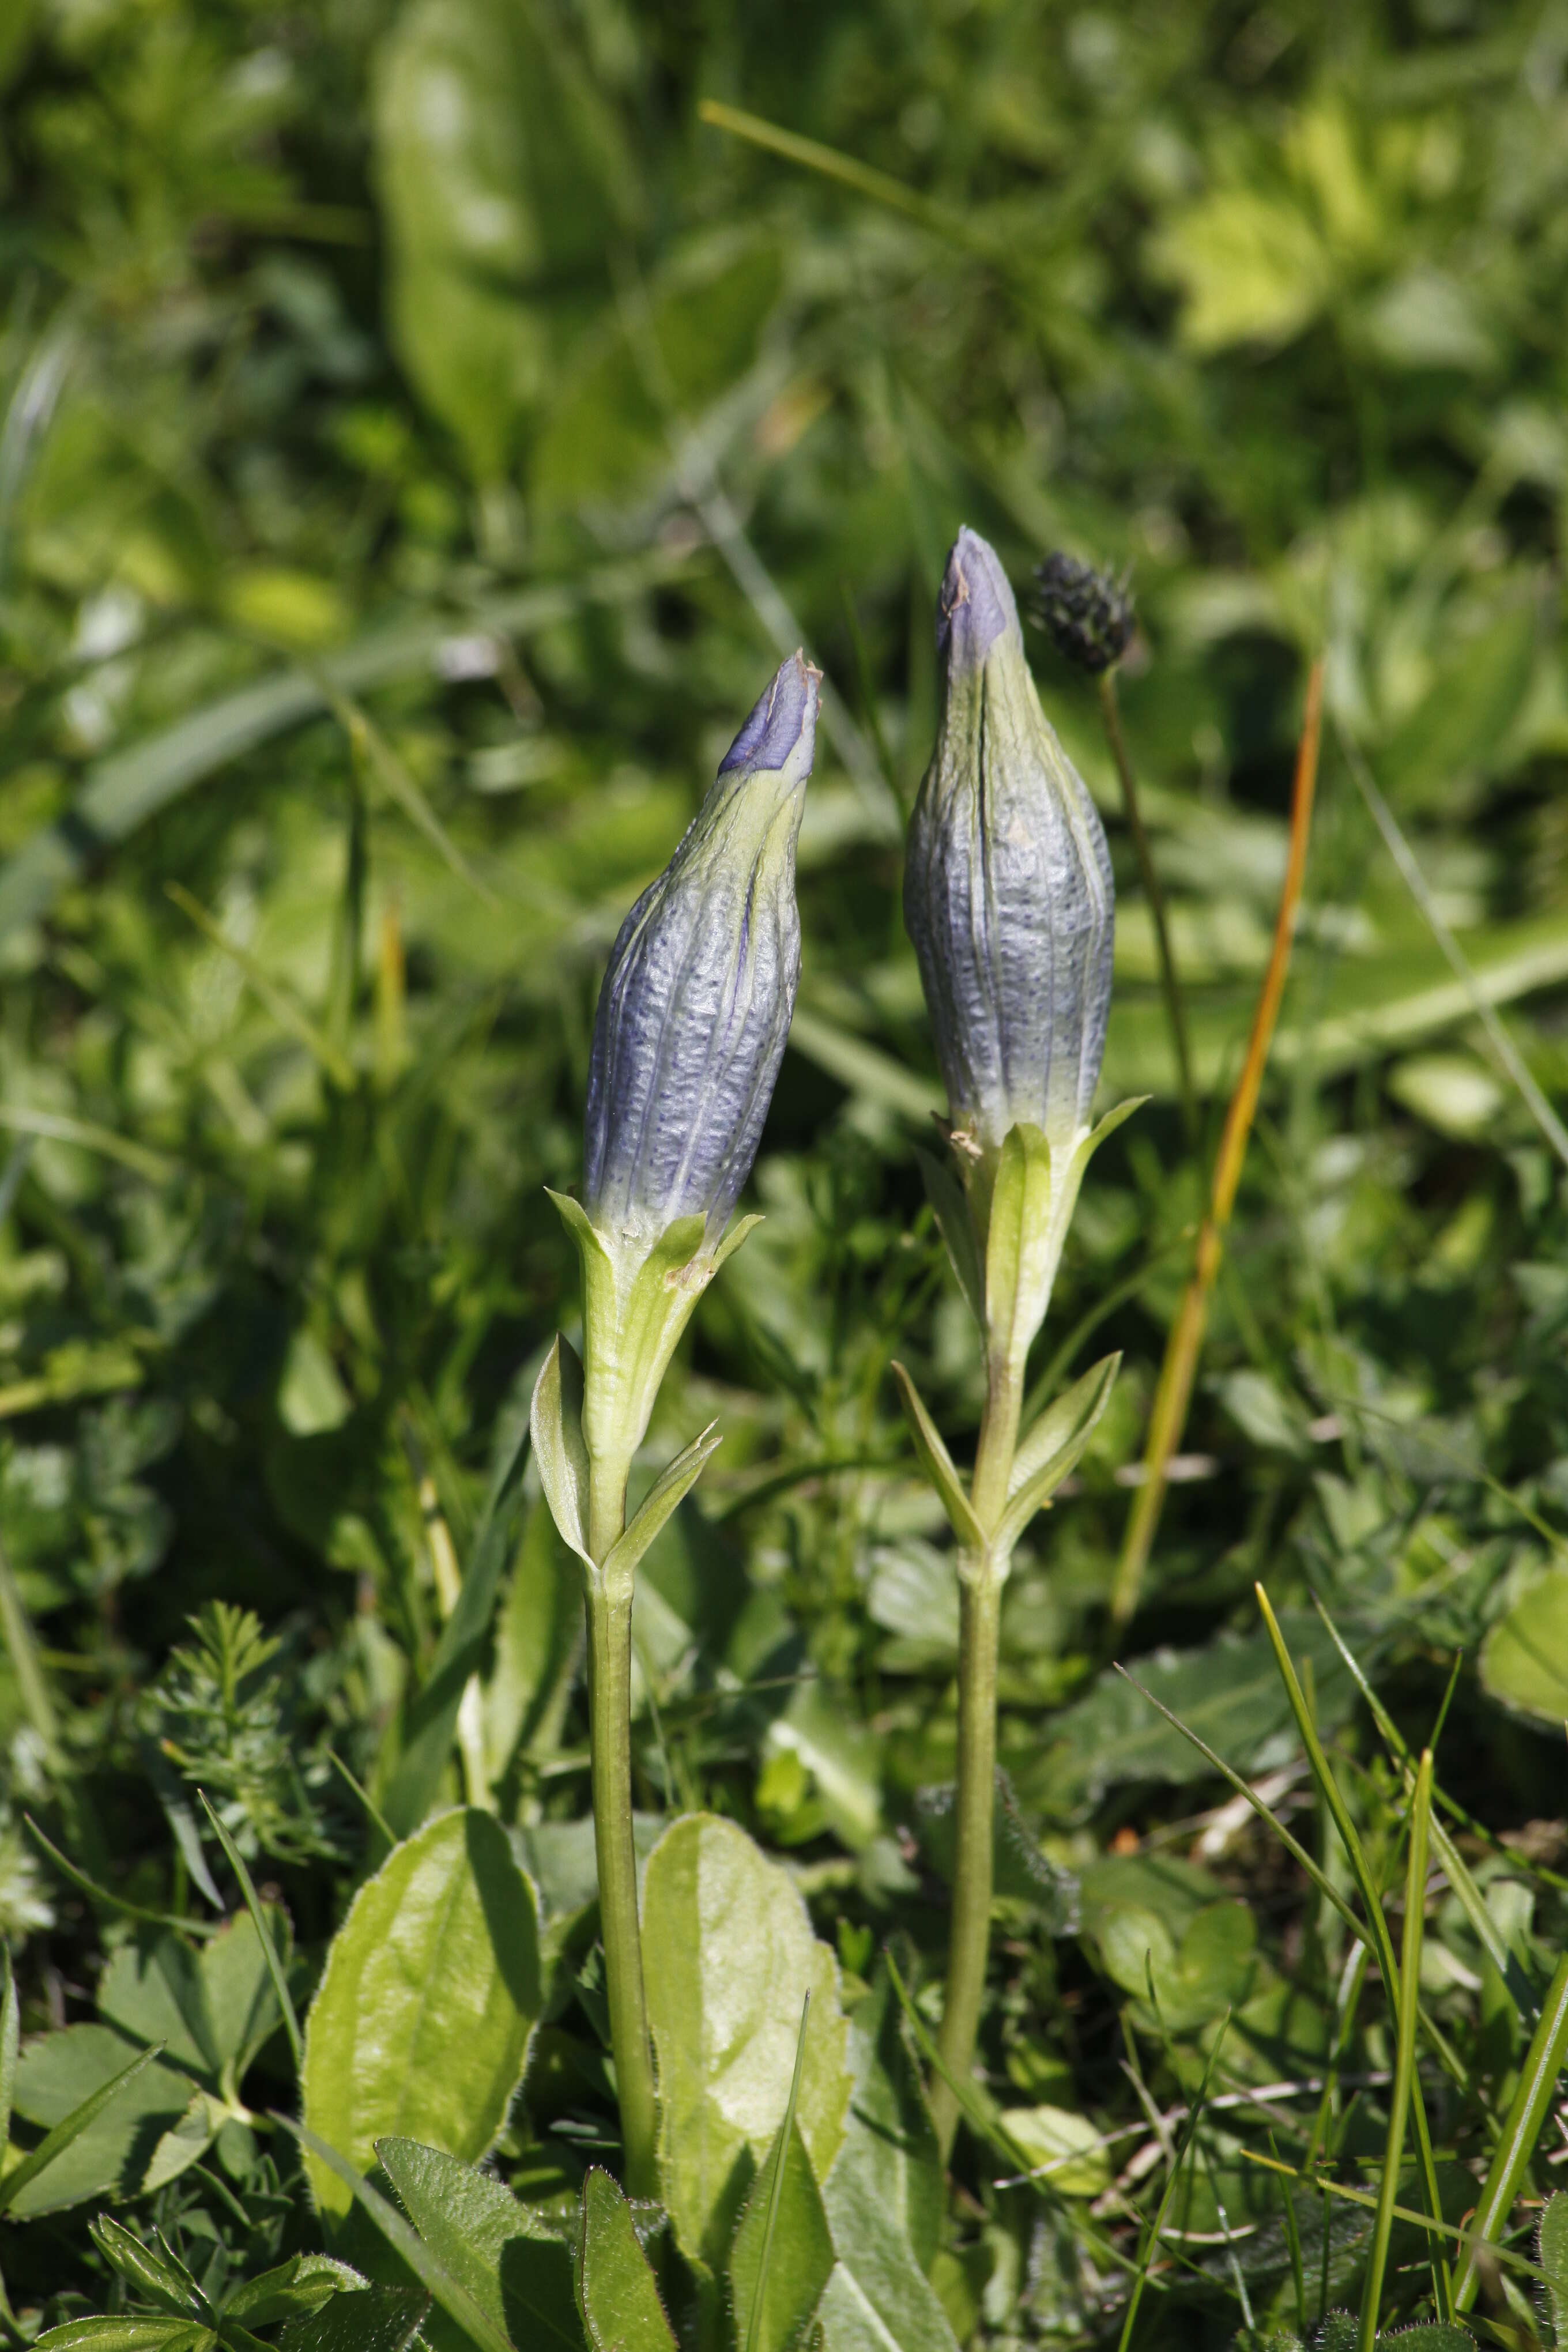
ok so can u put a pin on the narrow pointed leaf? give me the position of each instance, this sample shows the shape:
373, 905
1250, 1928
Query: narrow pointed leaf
455, 2300
1519, 2137
556, 1421
56, 2142
268, 1950
617, 2294
10, 2020
950, 1209
658, 1504
1054, 1448
938, 1464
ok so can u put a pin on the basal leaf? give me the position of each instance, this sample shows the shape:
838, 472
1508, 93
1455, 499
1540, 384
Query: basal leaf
1228, 1692
422, 2023
729, 1958
799, 2258
519, 2274
889, 2140
1525, 1658
618, 2294
1552, 2253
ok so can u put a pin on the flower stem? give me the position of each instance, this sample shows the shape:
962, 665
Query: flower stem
1170, 986
610, 1742
980, 1613
981, 1579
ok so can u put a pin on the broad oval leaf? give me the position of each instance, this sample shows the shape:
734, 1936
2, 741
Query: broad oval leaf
1525, 1658
423, 2020
729, 1958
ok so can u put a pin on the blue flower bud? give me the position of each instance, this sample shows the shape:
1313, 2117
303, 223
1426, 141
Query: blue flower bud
700, 988
1007, 887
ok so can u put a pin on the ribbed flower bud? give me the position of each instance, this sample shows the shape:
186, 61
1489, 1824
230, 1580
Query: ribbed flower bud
697, 1000
1007, 888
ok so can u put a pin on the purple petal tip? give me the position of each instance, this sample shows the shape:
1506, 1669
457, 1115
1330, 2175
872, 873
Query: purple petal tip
783, 716
976, 604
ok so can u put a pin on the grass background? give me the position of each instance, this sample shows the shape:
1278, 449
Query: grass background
422, 435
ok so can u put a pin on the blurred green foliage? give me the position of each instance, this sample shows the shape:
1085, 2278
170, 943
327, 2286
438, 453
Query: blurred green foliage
422, 435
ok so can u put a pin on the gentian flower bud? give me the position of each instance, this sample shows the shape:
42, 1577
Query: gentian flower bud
700, 988
1007, 888
690, 1033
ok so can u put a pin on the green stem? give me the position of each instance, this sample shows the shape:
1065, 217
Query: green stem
981, 1579
980, 1615
1170, 985
610, 1736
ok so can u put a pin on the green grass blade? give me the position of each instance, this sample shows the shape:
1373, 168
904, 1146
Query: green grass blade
1455, 1868
99, 1894
70, 2128
1405, 2063
268, 1950
1366, 2197
57, 1126
289, 1015
128, 787
371, 745
455, 2300
775, 2196
374, 1813
10, 2028
21, 1644
1292, 1846
1339, 1814
1507, 1054
1293, 2241
1152, 2238
1520, 2133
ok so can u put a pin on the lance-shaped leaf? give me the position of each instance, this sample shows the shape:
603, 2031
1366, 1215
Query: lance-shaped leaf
938, 1464
494, 2246
1517, 2140
154, 2274
617, 2294
949, 1207
658, 1505
555, 1419
1054, 1448
55, 2143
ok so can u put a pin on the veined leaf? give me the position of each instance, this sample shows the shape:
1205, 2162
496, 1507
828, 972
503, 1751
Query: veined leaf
728, 1956
516, 2272
618, 2296
422, 2023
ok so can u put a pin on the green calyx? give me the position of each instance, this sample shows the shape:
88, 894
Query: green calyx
1003, 1212
590, 1417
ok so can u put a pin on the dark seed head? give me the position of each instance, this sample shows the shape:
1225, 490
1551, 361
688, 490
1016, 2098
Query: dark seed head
1086, 614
